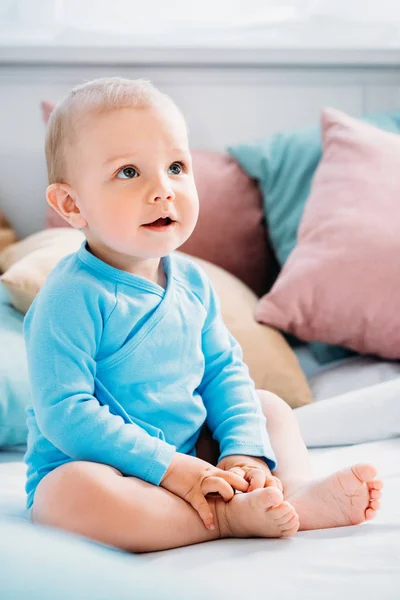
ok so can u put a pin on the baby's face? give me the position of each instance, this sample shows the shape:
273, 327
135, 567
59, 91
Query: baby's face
132, 175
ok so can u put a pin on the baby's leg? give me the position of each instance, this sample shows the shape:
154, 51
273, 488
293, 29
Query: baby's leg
347, 497
294, 466
96, 501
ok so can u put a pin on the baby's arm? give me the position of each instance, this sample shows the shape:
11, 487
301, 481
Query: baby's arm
63, 332
234, 412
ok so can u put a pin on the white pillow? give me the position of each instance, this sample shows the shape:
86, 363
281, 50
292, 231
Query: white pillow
359, 416
352, 374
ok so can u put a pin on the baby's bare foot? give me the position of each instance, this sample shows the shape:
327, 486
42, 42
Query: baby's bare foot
347, 497
261, 513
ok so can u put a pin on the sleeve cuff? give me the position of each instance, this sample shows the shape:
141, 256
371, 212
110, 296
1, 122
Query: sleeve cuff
160, 464
249, 449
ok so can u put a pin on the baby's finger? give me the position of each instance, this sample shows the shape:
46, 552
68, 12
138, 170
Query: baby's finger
238, 470
272, 481
202, 507
237, 482
256, 479
214, 484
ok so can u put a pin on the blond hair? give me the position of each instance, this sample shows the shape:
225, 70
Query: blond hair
97, 96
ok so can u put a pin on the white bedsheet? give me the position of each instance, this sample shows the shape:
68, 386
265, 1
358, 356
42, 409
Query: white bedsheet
346, 563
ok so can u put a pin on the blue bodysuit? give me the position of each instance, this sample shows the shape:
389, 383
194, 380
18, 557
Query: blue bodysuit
125, 372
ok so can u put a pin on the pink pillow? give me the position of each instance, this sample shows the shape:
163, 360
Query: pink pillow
230, 231
341, 283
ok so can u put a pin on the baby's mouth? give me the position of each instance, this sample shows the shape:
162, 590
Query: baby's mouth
160, 223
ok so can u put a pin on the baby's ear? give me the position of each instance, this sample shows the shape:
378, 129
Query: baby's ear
61, 197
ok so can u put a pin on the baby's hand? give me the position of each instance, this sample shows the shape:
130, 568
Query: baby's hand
192, 479
252, 469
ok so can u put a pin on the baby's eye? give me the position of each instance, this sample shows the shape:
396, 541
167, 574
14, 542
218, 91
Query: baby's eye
127, 173
176, 168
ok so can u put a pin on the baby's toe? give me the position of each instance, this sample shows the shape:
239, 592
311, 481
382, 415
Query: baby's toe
283, 513
271, 497
290, 522
376, 484
291, 527
375, 494
364, 472
265, 499
375, 504
370, 513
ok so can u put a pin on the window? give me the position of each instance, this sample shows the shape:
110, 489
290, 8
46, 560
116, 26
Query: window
269, 22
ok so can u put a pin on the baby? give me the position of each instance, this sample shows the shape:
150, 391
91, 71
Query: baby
129, 358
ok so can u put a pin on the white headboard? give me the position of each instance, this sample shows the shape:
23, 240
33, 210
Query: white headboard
224, 100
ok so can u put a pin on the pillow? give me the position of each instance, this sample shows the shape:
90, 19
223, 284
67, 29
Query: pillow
14, 384
26, 264
272, 363
340, 285
284, 165
7, 234
230, 231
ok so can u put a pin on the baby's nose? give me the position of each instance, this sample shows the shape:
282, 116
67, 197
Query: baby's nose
161, 194
161, 190
167, 196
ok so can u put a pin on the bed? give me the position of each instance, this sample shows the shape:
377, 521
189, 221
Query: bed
356, 418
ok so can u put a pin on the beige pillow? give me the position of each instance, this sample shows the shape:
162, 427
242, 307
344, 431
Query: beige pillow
272, 363
7, 234
26, 264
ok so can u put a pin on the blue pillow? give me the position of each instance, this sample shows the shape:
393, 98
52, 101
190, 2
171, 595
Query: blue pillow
284, 165
14, 379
